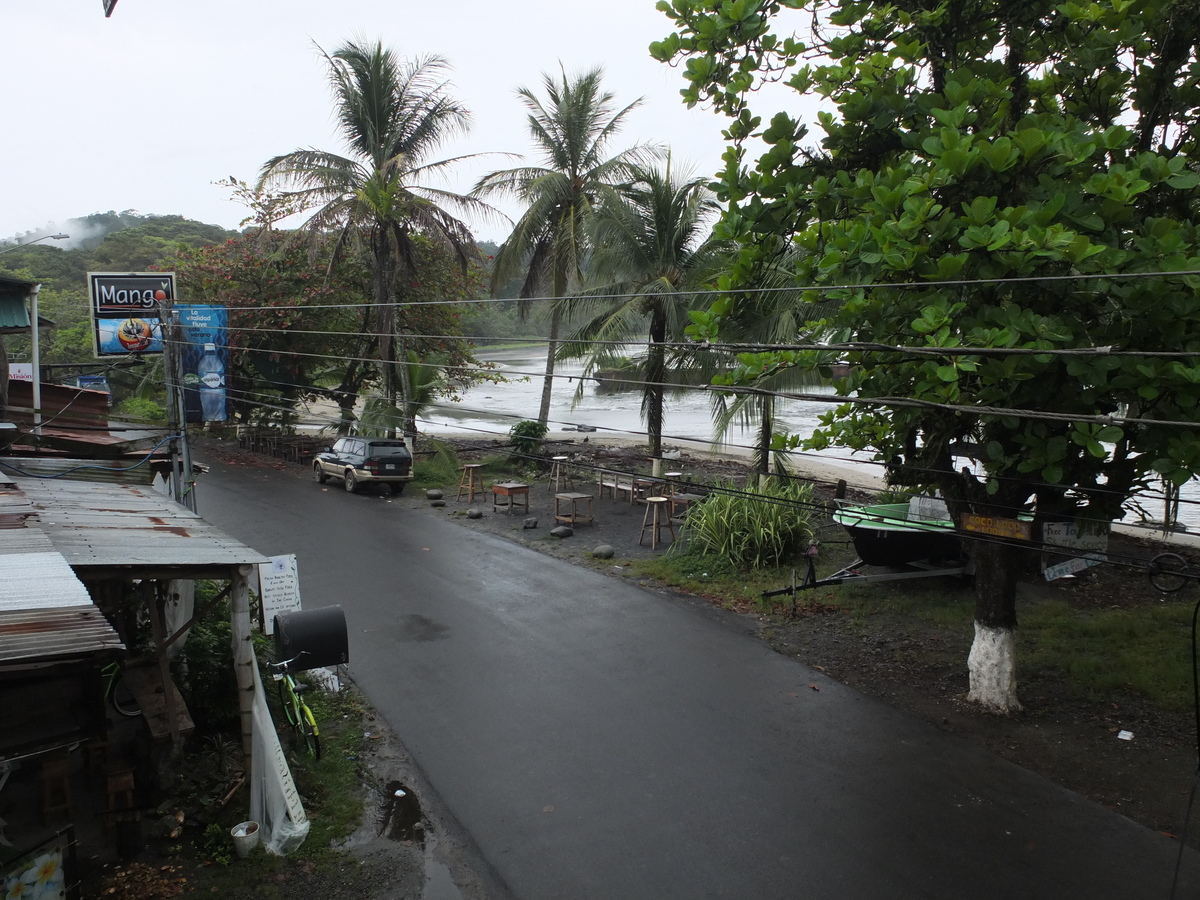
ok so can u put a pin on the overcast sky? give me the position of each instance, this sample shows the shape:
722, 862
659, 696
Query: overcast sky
144, 110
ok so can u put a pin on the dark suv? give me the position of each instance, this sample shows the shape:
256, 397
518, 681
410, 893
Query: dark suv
361, 460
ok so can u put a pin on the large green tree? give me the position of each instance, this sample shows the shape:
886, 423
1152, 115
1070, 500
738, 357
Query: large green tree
549, 244
394, 115
651, 250
999, 191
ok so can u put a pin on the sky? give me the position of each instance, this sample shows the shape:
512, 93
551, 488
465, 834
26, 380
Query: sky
147, 109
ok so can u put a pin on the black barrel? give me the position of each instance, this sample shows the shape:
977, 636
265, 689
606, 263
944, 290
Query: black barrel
320, 634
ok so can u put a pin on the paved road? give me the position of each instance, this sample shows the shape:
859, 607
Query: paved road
601, 741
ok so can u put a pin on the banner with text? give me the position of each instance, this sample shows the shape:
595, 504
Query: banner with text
205, 361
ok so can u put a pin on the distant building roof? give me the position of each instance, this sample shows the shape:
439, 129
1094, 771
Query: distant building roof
14, 309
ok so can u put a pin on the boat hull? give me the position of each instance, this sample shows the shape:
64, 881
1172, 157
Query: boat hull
883, 535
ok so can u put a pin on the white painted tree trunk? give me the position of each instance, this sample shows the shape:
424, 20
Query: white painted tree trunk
993, 669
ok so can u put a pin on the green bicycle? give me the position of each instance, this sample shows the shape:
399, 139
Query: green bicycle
295, 710
117, 692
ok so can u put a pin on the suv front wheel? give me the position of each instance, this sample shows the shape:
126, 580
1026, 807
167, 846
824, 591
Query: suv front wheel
319, 475
351, 481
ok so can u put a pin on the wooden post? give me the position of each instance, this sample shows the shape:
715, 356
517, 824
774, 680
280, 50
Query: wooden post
243, 656
154, 602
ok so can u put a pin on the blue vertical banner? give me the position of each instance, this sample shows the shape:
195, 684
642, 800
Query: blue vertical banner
205, 351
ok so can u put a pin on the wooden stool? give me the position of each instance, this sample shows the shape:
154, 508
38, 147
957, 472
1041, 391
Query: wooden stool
560, 474
470, 482
120, 791
655, 519
512, 490
56, 788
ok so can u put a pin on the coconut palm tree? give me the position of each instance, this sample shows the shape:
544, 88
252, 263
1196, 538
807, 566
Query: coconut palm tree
393, 114
774, 312
650, 249
549, 243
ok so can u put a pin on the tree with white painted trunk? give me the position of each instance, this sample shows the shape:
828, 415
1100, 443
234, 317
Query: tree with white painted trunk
986, 180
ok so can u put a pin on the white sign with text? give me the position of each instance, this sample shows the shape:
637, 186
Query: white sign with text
279, 588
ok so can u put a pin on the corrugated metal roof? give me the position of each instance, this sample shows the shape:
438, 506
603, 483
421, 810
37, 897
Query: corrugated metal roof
39, 581
111, 525
45, 610
54, 633
14, 314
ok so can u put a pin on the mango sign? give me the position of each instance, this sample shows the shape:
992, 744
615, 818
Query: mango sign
125, 311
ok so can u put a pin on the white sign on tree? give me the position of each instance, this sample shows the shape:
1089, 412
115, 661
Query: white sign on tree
279, 588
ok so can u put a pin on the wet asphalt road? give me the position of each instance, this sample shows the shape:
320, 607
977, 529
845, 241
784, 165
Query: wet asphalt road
598, 740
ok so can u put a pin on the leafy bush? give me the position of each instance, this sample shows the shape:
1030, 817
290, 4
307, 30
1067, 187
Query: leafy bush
756, 530
435, 464
140, 409
208, 683
526, 437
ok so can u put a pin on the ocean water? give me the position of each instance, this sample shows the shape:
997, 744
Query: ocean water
490, 410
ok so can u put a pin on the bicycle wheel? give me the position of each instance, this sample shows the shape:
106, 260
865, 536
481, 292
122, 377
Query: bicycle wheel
308, 728
123, 701
287, 701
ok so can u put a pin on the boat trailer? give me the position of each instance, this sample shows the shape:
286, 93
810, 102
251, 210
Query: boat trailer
851, 574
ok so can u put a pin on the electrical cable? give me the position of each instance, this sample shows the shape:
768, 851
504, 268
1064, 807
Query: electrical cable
723, 292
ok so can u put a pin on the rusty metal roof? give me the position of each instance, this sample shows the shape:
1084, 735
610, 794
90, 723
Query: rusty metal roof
45, 610
126, 529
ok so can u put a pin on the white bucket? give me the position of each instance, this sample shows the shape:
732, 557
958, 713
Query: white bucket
245, 837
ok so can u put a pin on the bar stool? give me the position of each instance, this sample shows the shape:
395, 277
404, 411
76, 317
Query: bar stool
656, 518
560, 474
56, 788
471, 482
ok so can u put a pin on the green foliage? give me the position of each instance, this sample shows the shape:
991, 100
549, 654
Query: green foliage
208, 685
758, 530
526, 437
140, 409
435, 464
967, 187
1106, 651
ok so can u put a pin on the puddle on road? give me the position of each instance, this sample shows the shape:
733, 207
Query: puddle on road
400, 817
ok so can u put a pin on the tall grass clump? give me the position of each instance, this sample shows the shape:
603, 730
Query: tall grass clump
758, 530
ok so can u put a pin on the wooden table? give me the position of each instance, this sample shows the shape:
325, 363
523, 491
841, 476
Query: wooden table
574, 516
512, 490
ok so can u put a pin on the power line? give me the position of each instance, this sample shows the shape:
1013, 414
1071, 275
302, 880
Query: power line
722, 292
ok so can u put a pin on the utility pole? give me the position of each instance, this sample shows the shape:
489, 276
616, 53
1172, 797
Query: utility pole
182, 485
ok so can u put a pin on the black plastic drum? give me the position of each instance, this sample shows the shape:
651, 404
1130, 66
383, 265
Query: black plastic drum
320, 634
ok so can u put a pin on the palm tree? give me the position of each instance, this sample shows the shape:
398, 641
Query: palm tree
774, 312
649, 250
549, 242
393, 114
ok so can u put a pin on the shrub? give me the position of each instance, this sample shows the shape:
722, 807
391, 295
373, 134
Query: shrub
140, 409
526, 437
756, 530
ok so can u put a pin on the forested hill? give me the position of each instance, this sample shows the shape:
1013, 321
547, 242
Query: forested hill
103, 242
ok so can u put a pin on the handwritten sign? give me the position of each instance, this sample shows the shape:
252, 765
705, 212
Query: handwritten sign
1071, 566
1070, 534
279, 588
1013, 529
